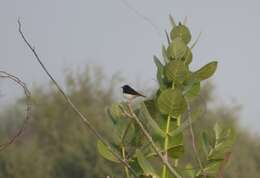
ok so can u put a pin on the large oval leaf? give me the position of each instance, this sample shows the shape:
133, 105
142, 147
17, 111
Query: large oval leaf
172, 102
182, 32
176, 49
206, 71
105, 152
176, 71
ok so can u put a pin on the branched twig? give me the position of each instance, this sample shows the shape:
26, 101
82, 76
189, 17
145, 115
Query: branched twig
28, 108
83, 118
150, 139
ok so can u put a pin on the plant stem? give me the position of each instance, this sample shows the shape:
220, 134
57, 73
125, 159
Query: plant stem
166, 142
178, 125
125, 167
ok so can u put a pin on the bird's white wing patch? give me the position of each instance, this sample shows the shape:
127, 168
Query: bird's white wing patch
129, 96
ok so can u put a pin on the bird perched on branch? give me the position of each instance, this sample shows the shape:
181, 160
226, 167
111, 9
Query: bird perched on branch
130, 93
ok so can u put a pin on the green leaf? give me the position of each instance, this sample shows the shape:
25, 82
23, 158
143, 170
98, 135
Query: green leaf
105, 152
160, 73
145, 164
218, 131
176, 71
120, 123
181, 31
187, 57
177, 49
158, 64
206, 71
189, 171
130, 133
176, 139
144, 113
224, 141
164, 54
193, 91
110, 115
171, 102
115, 111
205, 142
212, 168
176, 151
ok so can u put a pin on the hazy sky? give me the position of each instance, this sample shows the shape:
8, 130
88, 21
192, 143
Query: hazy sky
107, 32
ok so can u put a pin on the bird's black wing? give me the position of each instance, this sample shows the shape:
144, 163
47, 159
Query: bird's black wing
133, 92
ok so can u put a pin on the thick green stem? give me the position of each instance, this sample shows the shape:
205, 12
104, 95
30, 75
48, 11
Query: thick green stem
125, 167
166, 142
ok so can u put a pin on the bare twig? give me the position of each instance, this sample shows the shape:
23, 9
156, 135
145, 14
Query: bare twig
150, 139
193, 141
28, 108
128, 5
83, 118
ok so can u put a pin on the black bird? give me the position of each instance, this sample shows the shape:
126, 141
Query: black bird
130, 93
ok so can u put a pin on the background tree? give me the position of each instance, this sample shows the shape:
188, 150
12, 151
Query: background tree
55, 145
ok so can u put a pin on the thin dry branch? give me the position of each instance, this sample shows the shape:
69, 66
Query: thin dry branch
193, 141
150, 139
148, 20
27, 94
83, 118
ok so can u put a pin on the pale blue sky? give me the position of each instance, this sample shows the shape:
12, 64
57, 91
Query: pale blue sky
74, 33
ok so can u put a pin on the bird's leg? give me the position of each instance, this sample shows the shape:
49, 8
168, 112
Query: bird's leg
129, 103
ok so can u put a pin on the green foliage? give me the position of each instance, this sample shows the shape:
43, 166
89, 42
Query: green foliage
163, 114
